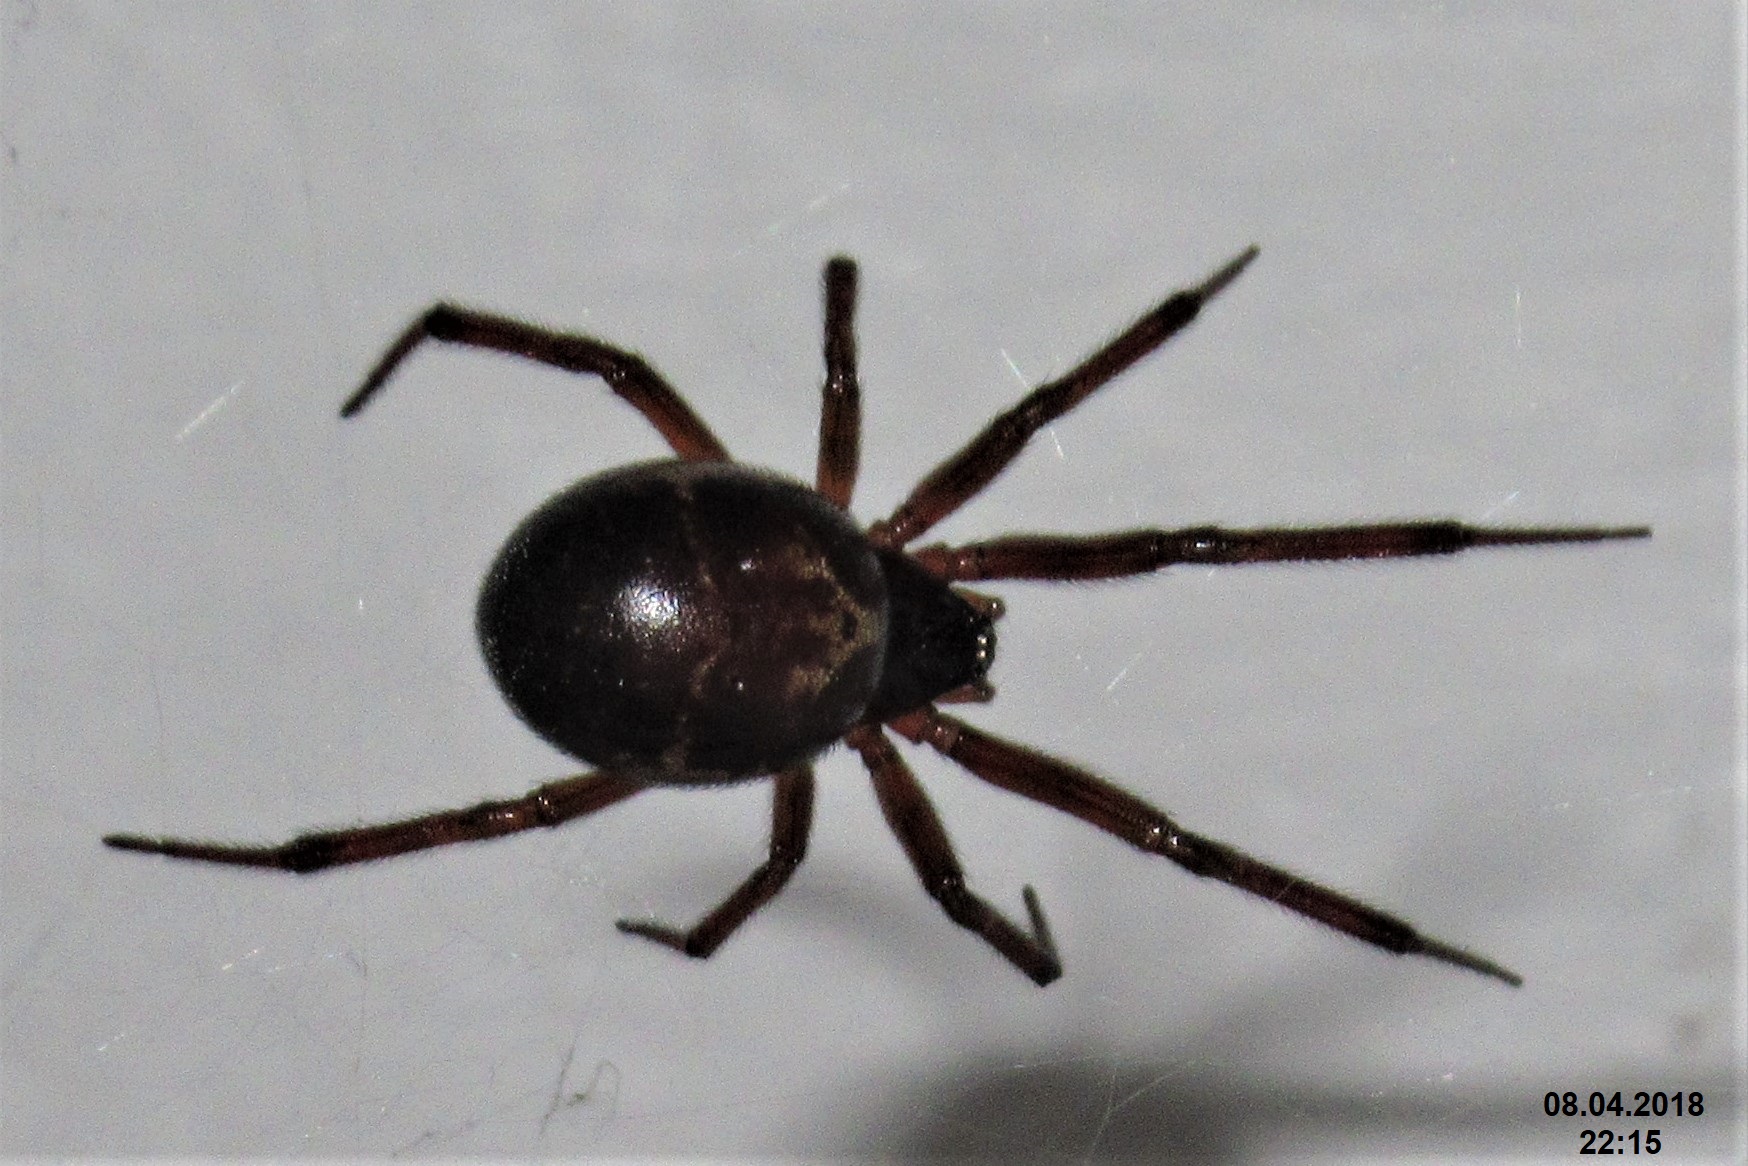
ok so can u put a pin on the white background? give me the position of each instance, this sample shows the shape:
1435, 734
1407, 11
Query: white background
1498, 282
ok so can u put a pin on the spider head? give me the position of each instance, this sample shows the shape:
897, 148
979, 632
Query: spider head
936, 642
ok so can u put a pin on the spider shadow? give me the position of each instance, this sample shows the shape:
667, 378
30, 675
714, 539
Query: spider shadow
1191, 1101
1194, 1096
1105, 1107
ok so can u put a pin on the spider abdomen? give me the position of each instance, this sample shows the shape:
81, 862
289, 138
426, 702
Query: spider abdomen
687, 622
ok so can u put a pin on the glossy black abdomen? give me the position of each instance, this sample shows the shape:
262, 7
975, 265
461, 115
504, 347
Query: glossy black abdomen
687, 621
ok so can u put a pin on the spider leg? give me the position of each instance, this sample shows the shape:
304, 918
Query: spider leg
626, 373
791, 819
840, 417
930, 851
958, 479
1062, 786
1136, 552
550, 804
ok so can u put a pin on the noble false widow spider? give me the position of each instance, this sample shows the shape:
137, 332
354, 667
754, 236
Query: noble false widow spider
693, 622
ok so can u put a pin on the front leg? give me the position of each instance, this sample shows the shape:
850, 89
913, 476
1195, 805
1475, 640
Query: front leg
964, 475
1137, 552
840, 414
626, 373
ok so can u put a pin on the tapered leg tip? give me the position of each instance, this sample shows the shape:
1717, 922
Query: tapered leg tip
1049, 967
1214, 284
660, 933
1445, 953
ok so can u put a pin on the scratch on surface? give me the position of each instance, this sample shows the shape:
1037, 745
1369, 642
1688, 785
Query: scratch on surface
781, 224
230, 965
1025, 383
158, 711
201, 418
1504, 503
1636, 796
1021, 377
1115, 1105
1124, 671
823, 200
1517, 312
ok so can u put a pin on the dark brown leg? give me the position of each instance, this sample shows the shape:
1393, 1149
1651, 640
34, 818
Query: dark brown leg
958, 479
556, 802
840, 417
925, 842
1110, 556
791, 818
1074, 791
626, 373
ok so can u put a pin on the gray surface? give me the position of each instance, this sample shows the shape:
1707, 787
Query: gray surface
1497, 283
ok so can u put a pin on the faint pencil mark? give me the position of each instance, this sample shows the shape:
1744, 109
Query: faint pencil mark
602, 1089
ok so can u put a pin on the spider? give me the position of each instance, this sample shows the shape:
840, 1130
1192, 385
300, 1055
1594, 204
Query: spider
695, 622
